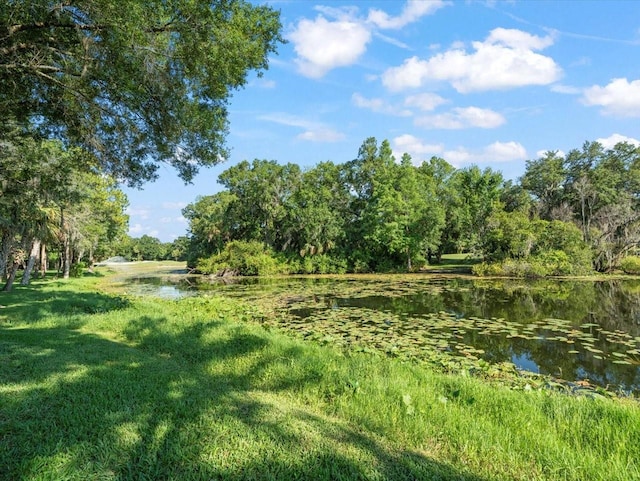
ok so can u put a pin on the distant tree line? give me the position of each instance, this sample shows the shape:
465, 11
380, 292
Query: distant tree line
567, 214
149, 248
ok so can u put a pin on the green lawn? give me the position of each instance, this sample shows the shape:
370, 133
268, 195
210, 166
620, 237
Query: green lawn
96, 385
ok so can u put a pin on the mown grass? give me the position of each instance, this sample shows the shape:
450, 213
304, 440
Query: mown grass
103, 386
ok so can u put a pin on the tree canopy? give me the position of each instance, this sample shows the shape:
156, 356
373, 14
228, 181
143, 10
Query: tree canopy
133, 83
566, 215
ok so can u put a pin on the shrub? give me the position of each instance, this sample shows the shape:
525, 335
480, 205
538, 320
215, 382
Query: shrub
320, 264
547, 263
487, 269
77, 269
243, 259
630, 265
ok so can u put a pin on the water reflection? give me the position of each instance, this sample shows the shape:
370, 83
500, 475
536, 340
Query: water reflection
570, 329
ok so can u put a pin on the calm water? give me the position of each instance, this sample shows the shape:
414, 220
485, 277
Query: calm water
574, 330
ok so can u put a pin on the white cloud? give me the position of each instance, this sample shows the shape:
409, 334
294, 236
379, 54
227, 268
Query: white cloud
166, 220
506, 59
425, 101
313, 131
565, 89
462, 118
181, 220
412, 11
135, 229
416, 148
287, 119
322, 45
139, 212
496, 152
518, 39
504, 152
392, 41
620, 97
611, 141
378, 105
322, 135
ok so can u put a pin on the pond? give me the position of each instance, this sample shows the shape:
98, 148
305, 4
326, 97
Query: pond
572, 330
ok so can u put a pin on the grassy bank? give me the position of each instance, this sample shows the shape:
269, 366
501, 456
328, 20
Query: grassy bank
102, 386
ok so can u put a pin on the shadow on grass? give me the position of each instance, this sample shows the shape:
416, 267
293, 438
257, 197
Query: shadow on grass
37, 302
175, 404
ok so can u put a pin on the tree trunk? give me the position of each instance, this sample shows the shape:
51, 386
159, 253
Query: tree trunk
12, 277
17, 260
43, 260
66, 257
5, 250
35, 250
65, 261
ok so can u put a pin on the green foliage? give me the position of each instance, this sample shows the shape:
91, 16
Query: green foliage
319, 264
77, 269
382, 215
546, 263
135, 83
630, 265
243, 258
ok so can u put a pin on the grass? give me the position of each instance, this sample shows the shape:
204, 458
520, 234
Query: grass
96, 385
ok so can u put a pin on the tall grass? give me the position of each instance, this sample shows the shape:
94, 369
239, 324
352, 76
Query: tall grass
102, 386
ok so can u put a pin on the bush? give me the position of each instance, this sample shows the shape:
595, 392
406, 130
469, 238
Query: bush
77, 269
630, 265
320, 264
547, 263
487, 270
243, 258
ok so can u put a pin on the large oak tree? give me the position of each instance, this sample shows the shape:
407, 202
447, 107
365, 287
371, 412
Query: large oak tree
133, 82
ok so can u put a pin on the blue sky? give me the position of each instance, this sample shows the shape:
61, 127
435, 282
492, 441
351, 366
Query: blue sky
487, 83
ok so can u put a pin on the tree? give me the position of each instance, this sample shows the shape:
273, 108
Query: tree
409, 219
474, 195
262, 192
134, 83
48, 198
545, 179
210, 225
317, 211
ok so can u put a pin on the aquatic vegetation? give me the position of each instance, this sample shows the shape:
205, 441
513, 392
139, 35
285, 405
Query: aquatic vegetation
570, 331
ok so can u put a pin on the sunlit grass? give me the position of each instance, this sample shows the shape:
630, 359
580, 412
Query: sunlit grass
105, 386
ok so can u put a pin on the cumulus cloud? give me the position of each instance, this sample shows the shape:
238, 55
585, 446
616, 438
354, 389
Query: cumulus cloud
416, 148
338, 37
611, 141
378, 105
412, 11
424, 101
322, 45
506, 59
619, 98
462, 118
495, 152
